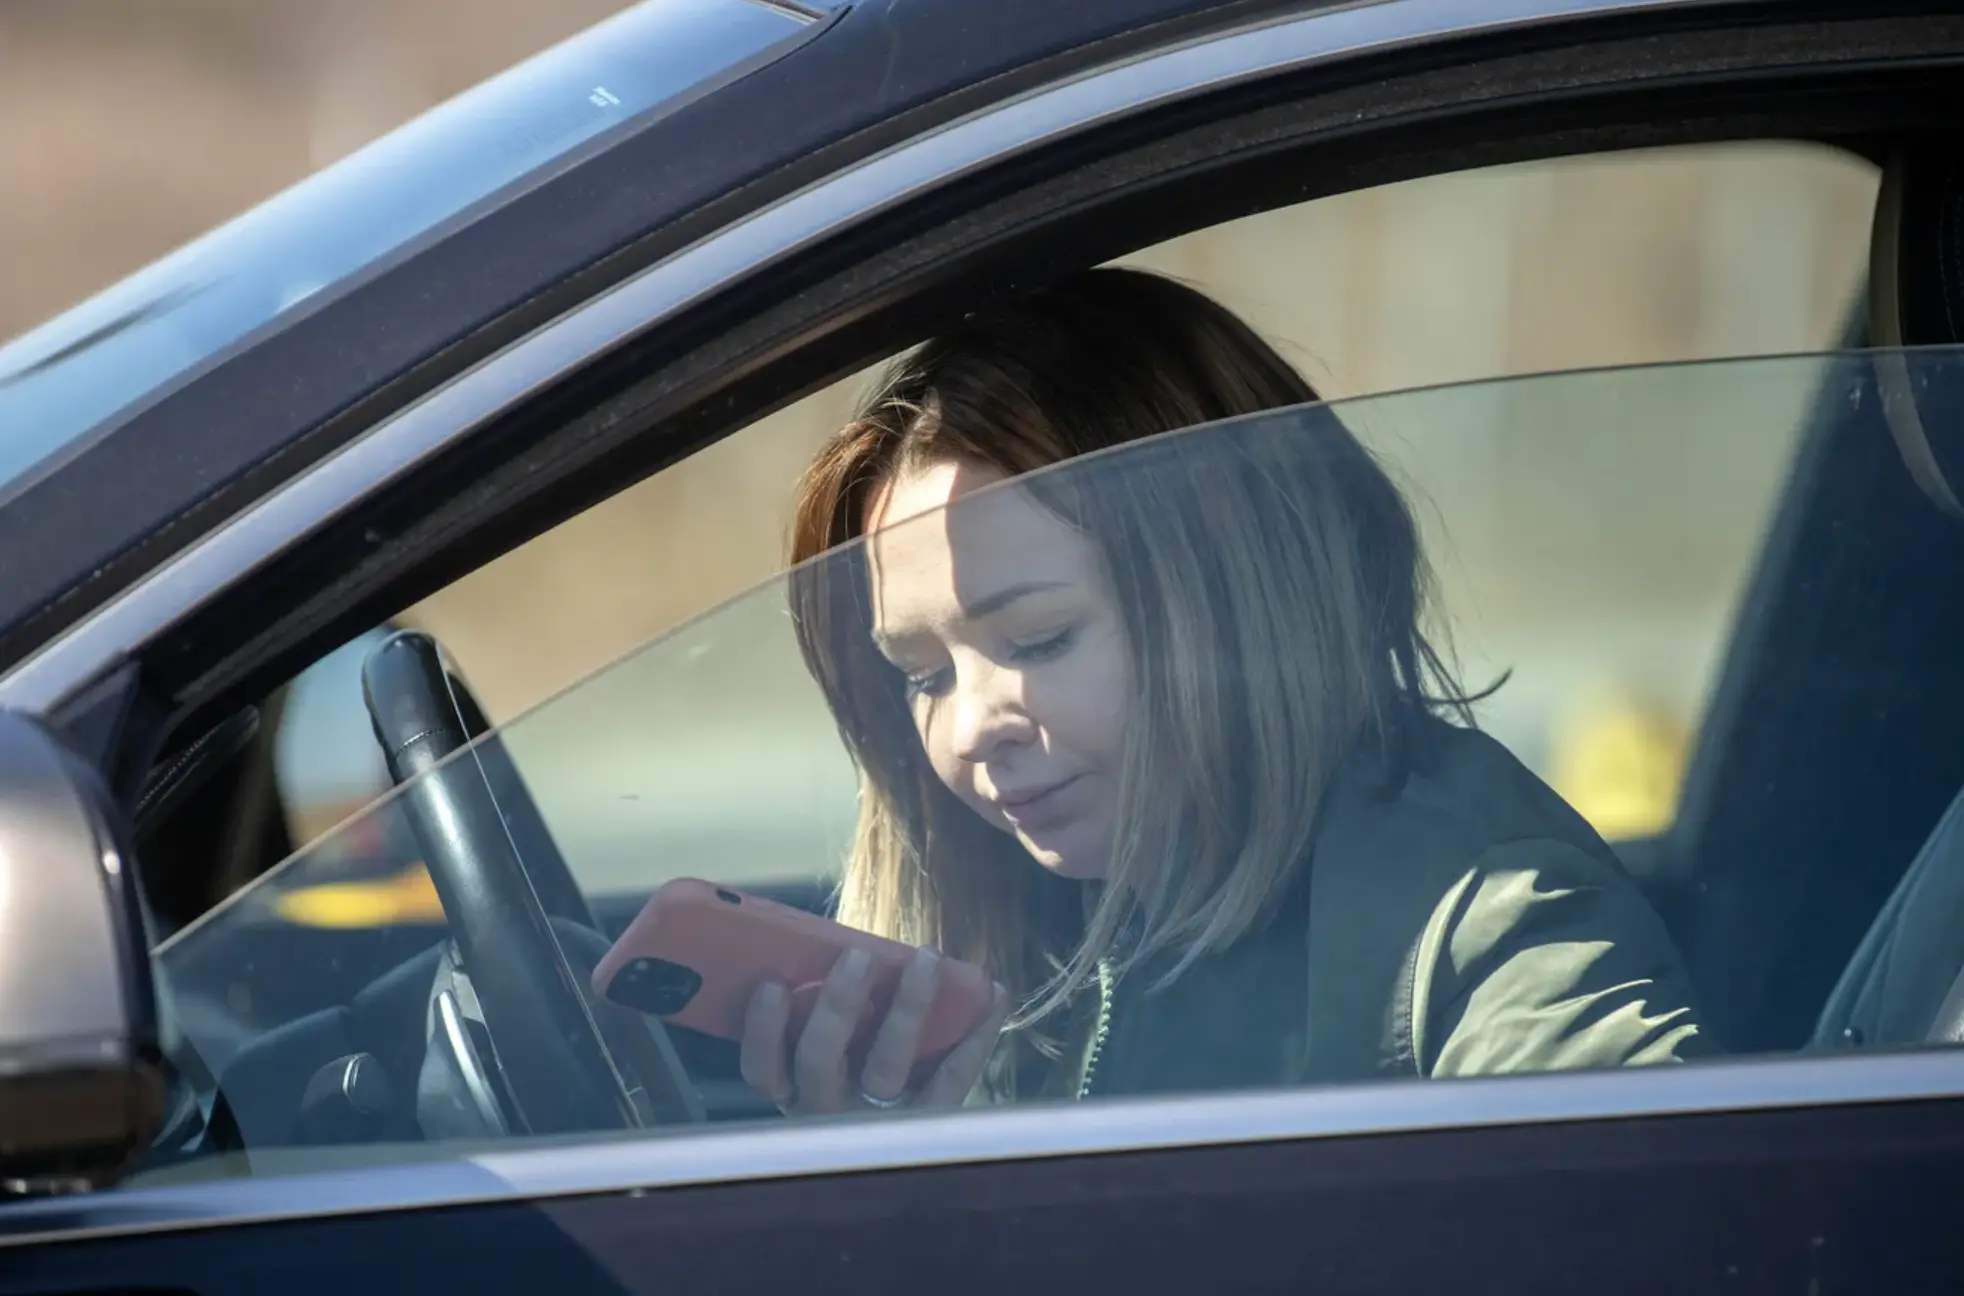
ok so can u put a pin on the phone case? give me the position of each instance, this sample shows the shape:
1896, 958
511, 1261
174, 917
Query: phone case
697, 952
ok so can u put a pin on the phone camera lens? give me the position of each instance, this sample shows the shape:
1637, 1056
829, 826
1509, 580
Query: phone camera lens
655, 986
728, 897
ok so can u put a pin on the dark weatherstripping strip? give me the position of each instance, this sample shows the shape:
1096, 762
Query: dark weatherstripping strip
412, 1178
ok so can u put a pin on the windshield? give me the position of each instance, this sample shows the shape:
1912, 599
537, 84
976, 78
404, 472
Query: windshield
160, 325
1201, 677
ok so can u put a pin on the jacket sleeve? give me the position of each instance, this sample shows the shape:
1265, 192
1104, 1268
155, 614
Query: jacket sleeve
1544, 957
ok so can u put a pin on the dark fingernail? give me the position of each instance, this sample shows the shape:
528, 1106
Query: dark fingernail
857, 961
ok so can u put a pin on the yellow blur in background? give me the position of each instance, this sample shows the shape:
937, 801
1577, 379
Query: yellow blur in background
404, 897
1620, 763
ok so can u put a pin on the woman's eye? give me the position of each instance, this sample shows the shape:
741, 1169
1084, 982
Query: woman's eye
928, 683
1043, 649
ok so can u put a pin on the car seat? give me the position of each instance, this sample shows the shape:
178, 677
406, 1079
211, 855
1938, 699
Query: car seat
1905, 984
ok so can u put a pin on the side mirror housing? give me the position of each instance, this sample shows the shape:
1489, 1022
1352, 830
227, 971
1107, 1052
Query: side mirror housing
81, 1077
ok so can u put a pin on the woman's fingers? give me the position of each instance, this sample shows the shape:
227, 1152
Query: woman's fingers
958, 1072
813, 1075
818, 1062
763, 1048
891, 1060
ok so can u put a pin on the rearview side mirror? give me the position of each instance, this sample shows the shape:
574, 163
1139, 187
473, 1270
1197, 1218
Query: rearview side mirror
81, 1077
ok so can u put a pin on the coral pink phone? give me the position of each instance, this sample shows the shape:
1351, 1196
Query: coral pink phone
697, 952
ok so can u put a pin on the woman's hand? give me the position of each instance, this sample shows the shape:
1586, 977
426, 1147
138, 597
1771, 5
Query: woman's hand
811, 1074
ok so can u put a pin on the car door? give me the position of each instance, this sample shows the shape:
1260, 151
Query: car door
710, 752
1823, 1170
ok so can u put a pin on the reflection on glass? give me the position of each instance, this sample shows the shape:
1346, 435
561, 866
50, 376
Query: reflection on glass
1153, 737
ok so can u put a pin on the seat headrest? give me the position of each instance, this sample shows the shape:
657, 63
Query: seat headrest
1916, 299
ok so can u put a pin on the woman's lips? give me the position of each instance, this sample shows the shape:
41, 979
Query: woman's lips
1036, 807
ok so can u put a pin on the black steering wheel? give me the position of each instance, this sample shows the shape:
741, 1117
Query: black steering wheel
522, 935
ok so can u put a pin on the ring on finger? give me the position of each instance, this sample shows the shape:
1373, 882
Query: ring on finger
883, 1104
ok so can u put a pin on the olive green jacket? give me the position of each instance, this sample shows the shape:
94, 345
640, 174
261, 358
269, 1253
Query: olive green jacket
1465, 922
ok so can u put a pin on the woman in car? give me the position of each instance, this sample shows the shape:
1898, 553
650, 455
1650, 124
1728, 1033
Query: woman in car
1157, 740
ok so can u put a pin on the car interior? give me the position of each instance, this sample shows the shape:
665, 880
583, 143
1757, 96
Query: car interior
1812, 874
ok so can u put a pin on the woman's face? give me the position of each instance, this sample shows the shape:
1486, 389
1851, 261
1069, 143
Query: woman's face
1002, 619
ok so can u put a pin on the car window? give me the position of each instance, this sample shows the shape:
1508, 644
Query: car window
1647, 256
1141, 737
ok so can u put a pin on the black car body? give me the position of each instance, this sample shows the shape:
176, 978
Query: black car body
276, 441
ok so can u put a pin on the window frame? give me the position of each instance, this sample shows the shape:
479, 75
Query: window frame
1819, 1088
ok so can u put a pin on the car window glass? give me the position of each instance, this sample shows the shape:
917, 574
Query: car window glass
324, 757
1657, 255
1430, 907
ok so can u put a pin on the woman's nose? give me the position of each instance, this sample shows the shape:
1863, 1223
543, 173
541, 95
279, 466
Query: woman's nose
988, 714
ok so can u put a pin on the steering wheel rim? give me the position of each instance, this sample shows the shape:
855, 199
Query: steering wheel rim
546, 1028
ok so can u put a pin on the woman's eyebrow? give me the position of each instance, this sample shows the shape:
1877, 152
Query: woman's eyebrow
889, 640
989, 604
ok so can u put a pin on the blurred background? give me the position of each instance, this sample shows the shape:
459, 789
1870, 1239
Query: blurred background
1594, 546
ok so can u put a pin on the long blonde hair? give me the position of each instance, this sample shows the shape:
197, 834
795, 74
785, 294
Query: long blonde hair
1271, 584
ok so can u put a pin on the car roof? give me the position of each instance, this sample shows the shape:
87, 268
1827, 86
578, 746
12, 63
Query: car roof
87, 364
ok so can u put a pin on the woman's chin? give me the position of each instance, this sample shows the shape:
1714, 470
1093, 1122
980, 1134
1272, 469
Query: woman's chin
1079, 861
